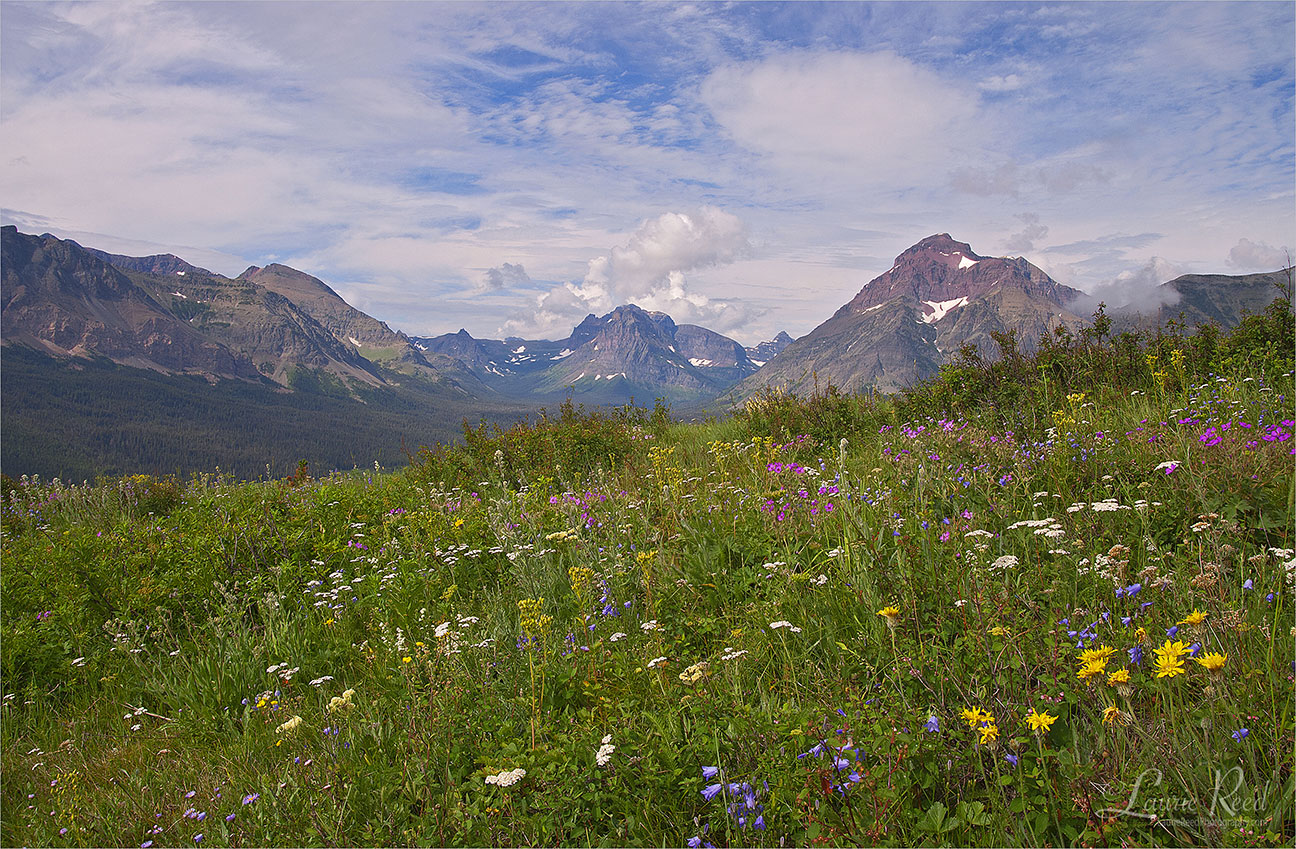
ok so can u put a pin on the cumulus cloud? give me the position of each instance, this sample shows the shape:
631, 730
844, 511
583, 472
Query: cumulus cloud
1025, 239
648, 270
503, 276
1139, 290
1247, 254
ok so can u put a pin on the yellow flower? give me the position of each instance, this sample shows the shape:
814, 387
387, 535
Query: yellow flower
1168, 666
1113, 715
1214, 662
1120, 676
975, 716
1100, 653
1040, 722
1194, 618
1141, 637
458, 523
405, 659
1092, 669
1000, 631
1174, 650
989, 733
891, 615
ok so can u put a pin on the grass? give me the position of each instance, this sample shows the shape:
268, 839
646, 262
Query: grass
607, 629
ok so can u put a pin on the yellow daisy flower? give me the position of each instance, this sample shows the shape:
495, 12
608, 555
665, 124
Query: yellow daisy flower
1040, 722
1092, 669
1168, 666
1213, 661
1194, 618
1120, 676
989, 734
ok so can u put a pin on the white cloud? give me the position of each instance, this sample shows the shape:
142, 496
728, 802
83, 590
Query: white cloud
875, 117
503, 276
648, 270
1139, 289
1001, 83
1250, 255
1024, 240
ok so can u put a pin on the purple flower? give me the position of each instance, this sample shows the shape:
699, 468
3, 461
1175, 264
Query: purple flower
933, 724
1269, 598
1172, 630
1247, 585
198, 837
694, 842
230, 818
1241, 734
1010, 758
710, 791
1136, 655
1194, 649
250, 798
146, 844
710, 771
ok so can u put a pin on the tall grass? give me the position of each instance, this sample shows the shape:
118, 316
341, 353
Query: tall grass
932, 618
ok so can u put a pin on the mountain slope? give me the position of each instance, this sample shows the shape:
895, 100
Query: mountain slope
628, 353
1198, 299
904, 323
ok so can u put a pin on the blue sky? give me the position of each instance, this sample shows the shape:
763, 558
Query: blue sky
509, 168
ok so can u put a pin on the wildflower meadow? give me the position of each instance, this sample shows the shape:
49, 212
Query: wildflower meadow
1044, 600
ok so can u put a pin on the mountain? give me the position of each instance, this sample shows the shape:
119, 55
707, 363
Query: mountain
628, 353
118, 364
61, 299
155, 264
903, 324
767, 350
1197, 299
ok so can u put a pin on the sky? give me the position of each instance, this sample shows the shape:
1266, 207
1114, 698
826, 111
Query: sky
510, 168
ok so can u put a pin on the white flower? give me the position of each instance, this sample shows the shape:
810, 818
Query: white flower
783, 623
507, 778
1007, 561
731, 654
977, 533
604, 755
655, 662
1031, 523
619, 635
290, 726
651, 625
315, 682
80, 661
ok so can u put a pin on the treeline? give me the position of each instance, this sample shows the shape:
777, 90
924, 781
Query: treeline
81, 419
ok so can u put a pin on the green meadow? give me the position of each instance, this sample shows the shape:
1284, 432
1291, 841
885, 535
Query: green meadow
1044, 600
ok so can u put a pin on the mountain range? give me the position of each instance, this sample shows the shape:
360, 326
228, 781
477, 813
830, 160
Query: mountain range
276, 338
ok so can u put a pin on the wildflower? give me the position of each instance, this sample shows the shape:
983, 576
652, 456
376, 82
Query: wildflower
1241, 734
1040, 722
1213, 661
619, 635
891, 615
1194, 618
1168, 666
507, 778
290, 726
604, 755
1092, 669
695, 673
1113, 715
1011, 759
975, 716
250, 798
1000, 631
783, 623
1248, 585
651, 625
655, 662
989, 734
933, 724
710, 791
710, 771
